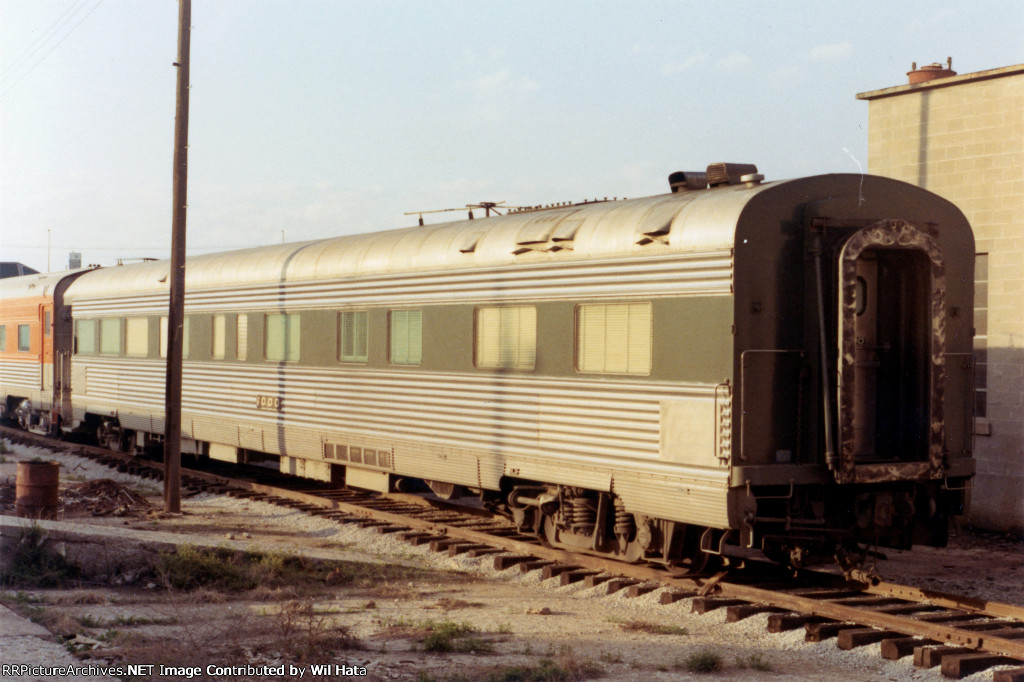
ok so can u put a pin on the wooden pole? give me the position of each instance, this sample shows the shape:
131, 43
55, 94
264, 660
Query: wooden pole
176, 311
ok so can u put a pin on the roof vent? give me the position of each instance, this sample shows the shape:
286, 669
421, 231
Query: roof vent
681, 181
930, 72
729, 173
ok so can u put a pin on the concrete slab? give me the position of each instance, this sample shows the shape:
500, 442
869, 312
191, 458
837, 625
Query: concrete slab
24, 643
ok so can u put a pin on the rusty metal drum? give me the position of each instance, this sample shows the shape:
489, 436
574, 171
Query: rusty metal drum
37, 489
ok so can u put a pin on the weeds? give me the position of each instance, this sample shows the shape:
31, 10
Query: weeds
755, 661
703, 661
28, 605
449, 636
35, 563
222, 570
304, 634
563, 667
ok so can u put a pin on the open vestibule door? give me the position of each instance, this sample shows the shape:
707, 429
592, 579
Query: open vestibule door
891, 354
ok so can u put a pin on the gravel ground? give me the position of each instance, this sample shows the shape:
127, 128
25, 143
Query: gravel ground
519, 619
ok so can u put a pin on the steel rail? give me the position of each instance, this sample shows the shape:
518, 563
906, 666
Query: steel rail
644, 573
860, 615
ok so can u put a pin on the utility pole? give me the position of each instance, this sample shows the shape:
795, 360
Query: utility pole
176, 311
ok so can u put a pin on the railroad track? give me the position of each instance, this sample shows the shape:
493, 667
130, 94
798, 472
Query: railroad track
960, 635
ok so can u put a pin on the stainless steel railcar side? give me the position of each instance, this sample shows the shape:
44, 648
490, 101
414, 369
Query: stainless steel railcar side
756, 406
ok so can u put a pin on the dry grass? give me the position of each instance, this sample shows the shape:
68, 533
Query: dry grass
650, 628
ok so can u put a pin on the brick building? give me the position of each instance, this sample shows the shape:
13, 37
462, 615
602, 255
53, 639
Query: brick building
962, 137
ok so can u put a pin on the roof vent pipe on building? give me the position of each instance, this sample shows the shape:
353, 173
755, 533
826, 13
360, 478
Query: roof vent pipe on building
930, 72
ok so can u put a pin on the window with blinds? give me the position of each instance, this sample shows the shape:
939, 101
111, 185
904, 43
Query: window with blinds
281, 338
220, 331
242, 336
136, 337
406, 332
353, 335
613, 338
506, 337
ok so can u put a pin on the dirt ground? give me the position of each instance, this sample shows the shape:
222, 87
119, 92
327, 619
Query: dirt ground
391, 611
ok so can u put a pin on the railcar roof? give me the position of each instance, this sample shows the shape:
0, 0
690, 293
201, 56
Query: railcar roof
690, 221
38, 284
687, 221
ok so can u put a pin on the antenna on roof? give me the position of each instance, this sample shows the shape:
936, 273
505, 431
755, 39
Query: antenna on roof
486, 206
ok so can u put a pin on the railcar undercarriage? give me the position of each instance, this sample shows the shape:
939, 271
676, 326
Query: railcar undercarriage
796, 527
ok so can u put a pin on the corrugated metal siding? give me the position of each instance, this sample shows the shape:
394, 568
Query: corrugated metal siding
20, 376
700, 274
515, 415
443, 426
694, 499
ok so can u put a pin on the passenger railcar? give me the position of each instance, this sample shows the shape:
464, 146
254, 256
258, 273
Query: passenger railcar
35, 349
782, 366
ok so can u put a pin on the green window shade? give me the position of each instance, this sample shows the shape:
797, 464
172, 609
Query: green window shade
406, 337
506, 337
282, 338
110, 336
354, 335
185, 327
24, 337
136, 336
85, 336
614, 338
3, 337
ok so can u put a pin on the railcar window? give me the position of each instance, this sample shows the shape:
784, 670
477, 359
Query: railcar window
47, 323
3, 337
24, 338
220, 323
165, 338
506, 337
614, 338
406, 343
186, 327
85, 336
110, 336
241, 336
281, 337
861, 295
136, 336
353, 335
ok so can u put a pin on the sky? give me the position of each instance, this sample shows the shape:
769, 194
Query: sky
318, 118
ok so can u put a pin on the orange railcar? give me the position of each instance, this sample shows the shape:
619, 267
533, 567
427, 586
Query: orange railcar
35, 349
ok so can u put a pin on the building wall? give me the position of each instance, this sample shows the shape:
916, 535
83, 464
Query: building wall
963, 137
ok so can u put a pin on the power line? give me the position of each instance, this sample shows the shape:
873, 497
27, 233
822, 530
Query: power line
38, 42
50, 51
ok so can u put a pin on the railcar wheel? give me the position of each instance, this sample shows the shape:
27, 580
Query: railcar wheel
445, 490
108, 435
